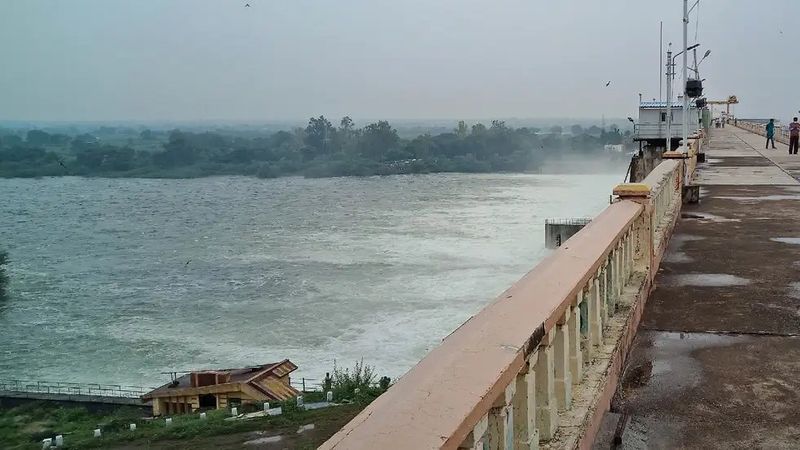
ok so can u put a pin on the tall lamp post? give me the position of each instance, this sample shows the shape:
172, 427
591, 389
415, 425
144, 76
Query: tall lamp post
685, 97
685, 75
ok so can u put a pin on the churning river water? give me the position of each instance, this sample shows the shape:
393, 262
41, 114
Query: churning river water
117, 280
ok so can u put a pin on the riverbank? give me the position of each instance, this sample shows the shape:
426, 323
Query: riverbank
25, 427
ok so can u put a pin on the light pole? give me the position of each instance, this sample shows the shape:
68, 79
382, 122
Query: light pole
668, 147
685, 75
670, 76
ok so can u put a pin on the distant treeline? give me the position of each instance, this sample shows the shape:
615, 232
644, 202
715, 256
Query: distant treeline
318, 150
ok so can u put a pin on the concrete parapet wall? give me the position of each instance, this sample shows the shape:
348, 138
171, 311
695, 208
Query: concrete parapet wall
558, 231
540, 362
781, 135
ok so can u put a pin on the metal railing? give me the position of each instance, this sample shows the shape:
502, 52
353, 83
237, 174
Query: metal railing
67, 388
656, 131
568, 221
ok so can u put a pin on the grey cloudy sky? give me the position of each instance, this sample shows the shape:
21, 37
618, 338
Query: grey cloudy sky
288, 59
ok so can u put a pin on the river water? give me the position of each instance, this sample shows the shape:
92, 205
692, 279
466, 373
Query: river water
118, 280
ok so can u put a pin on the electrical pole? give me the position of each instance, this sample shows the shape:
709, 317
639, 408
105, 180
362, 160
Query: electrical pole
685, 75
660, 61
669, 99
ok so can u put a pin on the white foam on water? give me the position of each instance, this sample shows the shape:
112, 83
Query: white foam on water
314, 270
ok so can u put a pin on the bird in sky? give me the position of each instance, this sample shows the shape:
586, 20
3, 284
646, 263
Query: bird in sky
607, 84
247, 5
187, 263
61, 163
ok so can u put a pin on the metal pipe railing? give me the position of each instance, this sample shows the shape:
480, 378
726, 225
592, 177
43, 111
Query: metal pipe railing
69, 388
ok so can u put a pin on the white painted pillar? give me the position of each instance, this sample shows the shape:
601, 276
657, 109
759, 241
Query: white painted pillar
563, 376
575, 353
596, 320
621, 263
546, 404
526, 436
476, 438
501, 420
603, 290
587, 313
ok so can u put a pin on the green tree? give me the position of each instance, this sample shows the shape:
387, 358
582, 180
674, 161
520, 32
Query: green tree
462, 130
346, 136
377, 139
422, 146
37, 137
319, 134
479, 129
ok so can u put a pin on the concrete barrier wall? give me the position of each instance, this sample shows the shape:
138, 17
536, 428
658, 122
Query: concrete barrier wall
540, 363
558, 231
781, 135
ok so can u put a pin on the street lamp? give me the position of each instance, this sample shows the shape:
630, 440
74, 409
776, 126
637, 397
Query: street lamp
685, 79
697, 63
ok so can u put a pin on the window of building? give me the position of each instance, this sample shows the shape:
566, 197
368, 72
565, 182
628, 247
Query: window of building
208, 401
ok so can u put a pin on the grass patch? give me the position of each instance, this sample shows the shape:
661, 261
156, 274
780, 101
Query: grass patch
24, 427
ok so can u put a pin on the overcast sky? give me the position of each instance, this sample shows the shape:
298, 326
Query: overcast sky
290, 59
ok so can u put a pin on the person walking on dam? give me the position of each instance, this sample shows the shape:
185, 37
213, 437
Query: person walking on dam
771, 133
794, 136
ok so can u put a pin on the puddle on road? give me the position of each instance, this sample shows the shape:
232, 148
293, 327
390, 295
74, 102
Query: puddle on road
686, 238
794, 289
705, 280
787, 240
761, 198
706, 217
675, 253
677, 257
666, 365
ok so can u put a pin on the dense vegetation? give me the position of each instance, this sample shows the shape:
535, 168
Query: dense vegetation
24, 427
353, 389
318, 150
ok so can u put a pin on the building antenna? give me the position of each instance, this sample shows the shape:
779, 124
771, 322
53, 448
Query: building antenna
660, 60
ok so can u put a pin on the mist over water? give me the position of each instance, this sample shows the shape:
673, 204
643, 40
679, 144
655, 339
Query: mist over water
117, 280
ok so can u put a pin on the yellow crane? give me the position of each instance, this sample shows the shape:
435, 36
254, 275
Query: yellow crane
732, 100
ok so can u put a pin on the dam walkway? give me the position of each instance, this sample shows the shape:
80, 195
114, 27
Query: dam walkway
716, 359
660, 324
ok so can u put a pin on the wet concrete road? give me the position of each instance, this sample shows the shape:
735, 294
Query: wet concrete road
716, 361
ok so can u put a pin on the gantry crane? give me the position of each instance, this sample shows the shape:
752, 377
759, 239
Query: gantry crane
732, 100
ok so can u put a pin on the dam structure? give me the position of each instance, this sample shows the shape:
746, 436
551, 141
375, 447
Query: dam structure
660, 324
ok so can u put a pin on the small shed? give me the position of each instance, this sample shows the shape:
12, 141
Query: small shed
652, 124
220, 389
